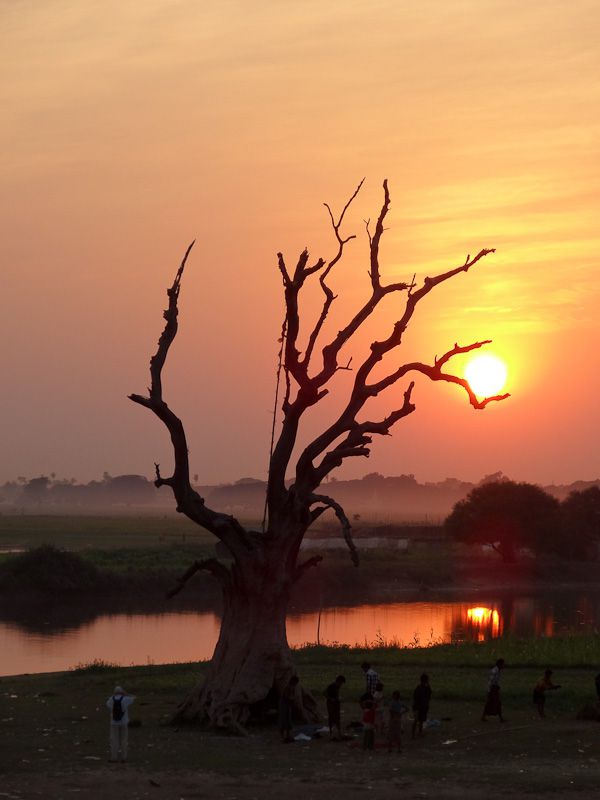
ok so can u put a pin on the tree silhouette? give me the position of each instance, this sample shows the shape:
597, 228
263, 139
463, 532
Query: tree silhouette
580, 513
507, 516
252, 659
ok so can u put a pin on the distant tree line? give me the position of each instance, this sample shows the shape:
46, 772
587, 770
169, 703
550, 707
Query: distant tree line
373, 497
510, 517
49, 491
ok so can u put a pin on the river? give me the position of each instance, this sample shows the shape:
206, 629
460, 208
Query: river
32, 645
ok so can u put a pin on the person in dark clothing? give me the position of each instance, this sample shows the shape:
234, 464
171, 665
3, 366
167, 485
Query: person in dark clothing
334, 707
397, 708
286, 708
539, 691
597, 680
420, 704
493, 703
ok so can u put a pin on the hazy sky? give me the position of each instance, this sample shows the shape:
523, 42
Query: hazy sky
131, 128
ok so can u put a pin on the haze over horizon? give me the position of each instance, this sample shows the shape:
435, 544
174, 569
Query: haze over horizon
131, 129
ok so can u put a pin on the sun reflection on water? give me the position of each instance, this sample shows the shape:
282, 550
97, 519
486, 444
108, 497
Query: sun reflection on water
484, 622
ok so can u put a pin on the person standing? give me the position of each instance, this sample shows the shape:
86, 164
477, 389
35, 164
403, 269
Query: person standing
539, 691
368, 721
396, 709
118, 705
371, 678
420, 704
378, 701
287, 701
493, 703
334, 707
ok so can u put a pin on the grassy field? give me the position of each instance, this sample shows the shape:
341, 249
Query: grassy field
54, 728
141, 548
100, 532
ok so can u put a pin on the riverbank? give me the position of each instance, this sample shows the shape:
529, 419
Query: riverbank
53, 731
133, 571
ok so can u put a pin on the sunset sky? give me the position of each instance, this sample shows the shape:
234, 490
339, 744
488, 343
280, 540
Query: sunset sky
130, 128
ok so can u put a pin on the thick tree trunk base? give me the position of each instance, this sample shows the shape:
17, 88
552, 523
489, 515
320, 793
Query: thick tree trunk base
251, 665
197, 709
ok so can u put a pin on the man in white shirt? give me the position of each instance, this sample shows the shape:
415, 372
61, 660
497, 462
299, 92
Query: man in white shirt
118, 706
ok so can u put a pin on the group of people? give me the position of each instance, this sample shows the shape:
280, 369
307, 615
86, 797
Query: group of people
371, 703
372, 709
493, 703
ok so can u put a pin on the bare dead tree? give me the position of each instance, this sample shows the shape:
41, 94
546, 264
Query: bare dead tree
252, 657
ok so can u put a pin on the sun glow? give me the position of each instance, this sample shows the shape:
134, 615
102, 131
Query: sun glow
482, 619
486, 374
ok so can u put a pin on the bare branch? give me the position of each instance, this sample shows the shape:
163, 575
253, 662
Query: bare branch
331, 350
160, 481
374, 241
283, 269
435, 373
430, 283
358, 439
189, 502
218, 570
313, 561
329, 295
329, 502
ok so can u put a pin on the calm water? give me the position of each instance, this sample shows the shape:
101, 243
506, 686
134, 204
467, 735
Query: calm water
188, 636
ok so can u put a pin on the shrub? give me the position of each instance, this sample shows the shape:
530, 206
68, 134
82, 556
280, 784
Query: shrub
48, 569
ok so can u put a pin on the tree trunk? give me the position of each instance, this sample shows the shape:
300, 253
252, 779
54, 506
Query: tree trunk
252, 661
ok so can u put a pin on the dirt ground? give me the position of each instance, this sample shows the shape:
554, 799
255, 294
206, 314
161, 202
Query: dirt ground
129, 783
532, 759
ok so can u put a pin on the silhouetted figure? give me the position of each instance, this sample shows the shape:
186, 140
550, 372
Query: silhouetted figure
378, 703
371, 677
597, 681
286, 708
367, 697
368, 721
118, 705
539, 691
397, 708
420, 704
334, 707
493, 703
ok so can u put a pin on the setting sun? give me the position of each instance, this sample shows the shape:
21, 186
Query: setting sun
486, 375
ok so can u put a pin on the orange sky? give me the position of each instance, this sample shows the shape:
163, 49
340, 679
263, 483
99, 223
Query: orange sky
130, 128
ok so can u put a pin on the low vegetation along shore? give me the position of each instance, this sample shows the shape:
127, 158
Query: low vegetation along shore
54, 731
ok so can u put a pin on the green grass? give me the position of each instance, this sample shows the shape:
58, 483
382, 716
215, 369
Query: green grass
580, 651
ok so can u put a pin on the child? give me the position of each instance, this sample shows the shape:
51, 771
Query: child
395, 727
539, 691
368, 720
420, 704
378, 702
